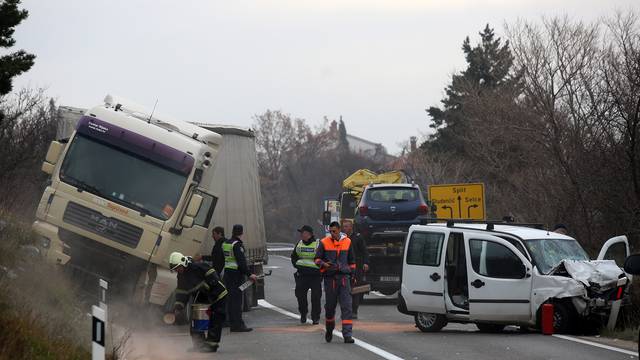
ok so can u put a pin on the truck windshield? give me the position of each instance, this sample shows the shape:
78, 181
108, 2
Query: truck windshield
547, 253
122, 177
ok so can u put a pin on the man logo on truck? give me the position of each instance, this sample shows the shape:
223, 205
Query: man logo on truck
102, 224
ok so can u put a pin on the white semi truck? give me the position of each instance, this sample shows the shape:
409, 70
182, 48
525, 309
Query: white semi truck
129, 187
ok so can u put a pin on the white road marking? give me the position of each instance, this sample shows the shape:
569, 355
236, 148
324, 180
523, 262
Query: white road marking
365, 345
271, 267
602, 346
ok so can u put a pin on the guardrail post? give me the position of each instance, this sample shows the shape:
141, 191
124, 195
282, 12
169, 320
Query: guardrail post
613, 315
104, 285
98, 327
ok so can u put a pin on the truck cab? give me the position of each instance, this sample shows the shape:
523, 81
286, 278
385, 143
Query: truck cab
125, 191
496, 275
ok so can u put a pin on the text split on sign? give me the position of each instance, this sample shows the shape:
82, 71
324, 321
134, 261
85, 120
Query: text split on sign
458, 201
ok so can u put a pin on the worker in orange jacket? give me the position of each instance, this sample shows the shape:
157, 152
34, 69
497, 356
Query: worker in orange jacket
337, 262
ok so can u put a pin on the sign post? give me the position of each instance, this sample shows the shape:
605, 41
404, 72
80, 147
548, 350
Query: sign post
458, 201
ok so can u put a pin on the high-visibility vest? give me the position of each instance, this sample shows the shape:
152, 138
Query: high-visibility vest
229, 257
306, 254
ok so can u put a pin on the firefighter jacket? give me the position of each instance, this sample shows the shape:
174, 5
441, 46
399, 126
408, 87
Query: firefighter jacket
199, 277
234, 258
303, 255
338, 254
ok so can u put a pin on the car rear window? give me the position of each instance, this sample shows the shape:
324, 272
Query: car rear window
393, 194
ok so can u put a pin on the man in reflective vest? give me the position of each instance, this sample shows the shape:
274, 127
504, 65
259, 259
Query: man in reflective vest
336, 260
307, 275
202, 282
235, 270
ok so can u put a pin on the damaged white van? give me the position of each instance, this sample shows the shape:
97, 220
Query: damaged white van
495, 275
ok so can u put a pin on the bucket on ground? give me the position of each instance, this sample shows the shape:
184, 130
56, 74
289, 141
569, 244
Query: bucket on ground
200, 317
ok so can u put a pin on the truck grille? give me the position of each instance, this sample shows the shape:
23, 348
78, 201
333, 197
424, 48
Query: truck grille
95, 222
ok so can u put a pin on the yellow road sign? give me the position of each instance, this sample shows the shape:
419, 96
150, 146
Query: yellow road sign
458, 201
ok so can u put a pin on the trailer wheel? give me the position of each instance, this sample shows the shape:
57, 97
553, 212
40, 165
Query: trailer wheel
429, 322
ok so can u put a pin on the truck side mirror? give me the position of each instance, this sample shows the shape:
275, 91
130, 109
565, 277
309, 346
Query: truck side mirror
326, 218
194, 205
55, 149
187, 221
632, 264
53, 154
47, 168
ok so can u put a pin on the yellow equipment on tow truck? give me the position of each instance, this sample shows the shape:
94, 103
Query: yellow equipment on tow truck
354, 185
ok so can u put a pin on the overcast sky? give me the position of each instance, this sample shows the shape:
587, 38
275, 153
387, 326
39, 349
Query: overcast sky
379, 64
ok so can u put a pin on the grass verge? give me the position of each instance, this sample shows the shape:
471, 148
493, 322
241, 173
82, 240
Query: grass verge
40, 316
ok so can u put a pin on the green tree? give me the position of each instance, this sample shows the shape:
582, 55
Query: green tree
14, 64
343, 142
488, 71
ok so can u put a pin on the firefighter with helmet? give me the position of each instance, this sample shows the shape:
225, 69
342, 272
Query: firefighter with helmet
201, 281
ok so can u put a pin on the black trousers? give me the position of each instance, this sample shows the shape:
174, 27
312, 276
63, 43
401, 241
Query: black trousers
304, 283
214, 332
232, 279
218, 310
355, 301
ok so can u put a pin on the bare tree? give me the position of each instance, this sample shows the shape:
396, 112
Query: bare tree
621, 71
26, 130
560, 61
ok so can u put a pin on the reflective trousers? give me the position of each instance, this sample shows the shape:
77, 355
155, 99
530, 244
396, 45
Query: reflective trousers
338, 289
304, 283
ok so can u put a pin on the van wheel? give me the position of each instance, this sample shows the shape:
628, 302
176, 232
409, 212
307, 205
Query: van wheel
562, 318
490, 328
428, 322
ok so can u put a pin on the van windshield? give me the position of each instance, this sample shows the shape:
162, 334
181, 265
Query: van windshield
122, 177
548, 253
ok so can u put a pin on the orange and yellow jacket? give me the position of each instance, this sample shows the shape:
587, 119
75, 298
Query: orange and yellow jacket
338, 253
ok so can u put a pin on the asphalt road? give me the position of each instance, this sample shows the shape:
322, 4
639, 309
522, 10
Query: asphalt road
381, 332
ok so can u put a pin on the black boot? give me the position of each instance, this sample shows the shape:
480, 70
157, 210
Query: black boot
303, 318
328, 336
348, 340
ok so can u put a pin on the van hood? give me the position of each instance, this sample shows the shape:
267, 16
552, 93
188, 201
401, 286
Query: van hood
599, 275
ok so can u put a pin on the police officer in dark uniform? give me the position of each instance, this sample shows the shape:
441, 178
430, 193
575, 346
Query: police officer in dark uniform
307, 275
235, 270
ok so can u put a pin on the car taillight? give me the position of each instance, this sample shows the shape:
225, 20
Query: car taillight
363, 210
619, 294
423, 209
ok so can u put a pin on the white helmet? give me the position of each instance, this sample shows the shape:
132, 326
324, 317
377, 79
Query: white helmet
177, 259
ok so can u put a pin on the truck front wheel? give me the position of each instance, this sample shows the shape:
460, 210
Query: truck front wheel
429, 322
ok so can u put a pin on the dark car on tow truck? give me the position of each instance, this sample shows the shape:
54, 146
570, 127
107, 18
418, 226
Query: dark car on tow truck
383, 218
